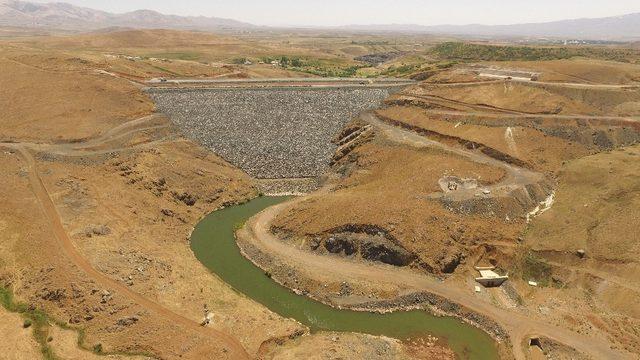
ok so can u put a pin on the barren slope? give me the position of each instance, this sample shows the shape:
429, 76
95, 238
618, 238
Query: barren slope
58, 97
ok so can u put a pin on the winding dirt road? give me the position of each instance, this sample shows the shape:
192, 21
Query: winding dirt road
520, 325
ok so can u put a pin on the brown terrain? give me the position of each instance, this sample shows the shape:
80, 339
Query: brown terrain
537, 178
100, 196
582, 252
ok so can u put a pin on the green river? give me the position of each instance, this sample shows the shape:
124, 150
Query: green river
214, 245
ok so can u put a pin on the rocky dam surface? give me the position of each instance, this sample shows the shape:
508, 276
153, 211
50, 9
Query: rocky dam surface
271, 133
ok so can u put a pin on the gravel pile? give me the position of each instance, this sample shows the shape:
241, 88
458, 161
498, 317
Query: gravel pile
269, 133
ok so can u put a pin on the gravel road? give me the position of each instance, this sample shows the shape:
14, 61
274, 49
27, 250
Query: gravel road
269, 133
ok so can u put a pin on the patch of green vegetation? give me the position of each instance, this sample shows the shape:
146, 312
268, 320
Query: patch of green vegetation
40, 323
480, 52
34, 318
536, 269
239, 60
238, 226
402, 70
319, 67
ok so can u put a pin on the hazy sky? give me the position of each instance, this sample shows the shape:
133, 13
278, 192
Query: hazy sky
342, 12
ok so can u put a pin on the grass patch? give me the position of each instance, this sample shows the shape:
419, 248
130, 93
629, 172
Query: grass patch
237, 226
34, 318
319, 67
536, 269
40, 324
402, 70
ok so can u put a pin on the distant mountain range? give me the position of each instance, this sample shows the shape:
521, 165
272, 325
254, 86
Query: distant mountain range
625, 27
69, 17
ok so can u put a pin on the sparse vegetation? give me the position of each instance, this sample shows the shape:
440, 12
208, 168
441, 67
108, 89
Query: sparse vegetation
239, 60
534, 268
238, 226
402, 70
35, 318
40, 322
481, 52
319, 67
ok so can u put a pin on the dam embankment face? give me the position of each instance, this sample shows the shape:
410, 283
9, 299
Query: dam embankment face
271, 133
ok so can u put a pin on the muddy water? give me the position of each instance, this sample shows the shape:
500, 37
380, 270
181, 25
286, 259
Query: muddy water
214, 245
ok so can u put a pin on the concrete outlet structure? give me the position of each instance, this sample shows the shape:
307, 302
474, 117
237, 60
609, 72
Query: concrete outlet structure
488, 278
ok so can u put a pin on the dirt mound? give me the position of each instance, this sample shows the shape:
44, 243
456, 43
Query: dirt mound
593, 210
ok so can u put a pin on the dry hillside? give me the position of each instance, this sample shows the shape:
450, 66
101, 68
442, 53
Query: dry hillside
577, 140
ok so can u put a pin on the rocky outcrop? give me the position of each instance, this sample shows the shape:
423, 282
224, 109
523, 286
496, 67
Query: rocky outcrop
364, 242
340, 244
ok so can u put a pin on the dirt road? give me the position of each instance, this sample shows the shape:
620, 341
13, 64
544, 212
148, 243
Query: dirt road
494, 112
234, 348
526, 81
519, 324
517, 177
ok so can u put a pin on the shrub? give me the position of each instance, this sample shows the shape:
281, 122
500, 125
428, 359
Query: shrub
239, 61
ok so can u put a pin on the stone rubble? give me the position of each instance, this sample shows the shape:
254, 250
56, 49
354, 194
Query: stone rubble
269, 133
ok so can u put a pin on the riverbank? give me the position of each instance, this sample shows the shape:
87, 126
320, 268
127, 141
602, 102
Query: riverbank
387, 282
214, 245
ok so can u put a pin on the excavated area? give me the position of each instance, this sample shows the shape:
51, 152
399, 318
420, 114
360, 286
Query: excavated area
273, 133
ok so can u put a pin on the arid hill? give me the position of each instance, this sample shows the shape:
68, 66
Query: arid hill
431, 209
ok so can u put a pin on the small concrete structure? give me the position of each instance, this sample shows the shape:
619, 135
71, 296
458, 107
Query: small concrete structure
488, 278
454, 183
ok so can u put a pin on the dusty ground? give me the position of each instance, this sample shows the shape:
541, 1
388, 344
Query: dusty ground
39, 86
596, 212
580, 70
17, 341
380, 185
352, 346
